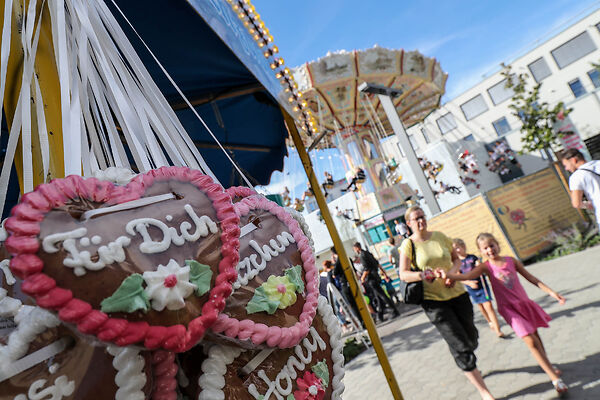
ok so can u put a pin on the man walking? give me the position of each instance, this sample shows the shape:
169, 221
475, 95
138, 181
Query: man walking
584, 179
401, 229
370, 278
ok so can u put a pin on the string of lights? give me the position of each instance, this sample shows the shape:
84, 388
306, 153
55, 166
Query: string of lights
246, 12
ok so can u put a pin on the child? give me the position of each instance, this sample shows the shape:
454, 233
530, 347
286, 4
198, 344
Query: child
478, 289
523, 315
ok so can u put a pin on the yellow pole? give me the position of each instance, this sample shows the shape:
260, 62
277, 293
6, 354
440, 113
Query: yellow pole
348, 270
45, 68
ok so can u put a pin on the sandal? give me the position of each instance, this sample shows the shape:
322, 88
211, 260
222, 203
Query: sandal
560, 386
557, 371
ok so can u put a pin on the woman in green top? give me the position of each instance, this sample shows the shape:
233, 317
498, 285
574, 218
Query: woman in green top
447, 305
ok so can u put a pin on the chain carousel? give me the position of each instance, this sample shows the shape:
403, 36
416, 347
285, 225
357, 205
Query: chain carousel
356, 123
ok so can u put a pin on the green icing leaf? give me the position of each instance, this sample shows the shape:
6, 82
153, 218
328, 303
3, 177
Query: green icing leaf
290, 397
322, 371
200, 275
129, 297
294, 274
261, 302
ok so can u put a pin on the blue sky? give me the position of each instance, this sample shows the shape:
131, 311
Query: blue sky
470, 39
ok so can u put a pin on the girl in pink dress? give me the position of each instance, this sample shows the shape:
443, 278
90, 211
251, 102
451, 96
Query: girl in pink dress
522, 314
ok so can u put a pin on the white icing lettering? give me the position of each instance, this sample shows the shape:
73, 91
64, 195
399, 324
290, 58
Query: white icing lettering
249, 267
204, 225
62, 387
8, 276
81, 260
289, 371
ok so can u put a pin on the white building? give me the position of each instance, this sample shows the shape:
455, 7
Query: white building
562, 64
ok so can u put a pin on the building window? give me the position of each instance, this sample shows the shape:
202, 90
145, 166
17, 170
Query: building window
594, 77
501, 126
378, 234
573, 50
425, 135
539, 69
474, 107
400, 150
469, 138
577, 88
499, 92
446, 123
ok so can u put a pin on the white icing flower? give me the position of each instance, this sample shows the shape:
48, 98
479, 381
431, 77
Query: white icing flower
168, 286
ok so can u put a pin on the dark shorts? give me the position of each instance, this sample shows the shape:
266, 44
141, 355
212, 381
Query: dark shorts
454, 321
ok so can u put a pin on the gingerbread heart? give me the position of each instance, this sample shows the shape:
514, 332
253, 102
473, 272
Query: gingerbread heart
275, 295
42, 357
313, 369
150, 262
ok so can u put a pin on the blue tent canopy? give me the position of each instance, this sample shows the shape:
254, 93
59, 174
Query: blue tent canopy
222, 71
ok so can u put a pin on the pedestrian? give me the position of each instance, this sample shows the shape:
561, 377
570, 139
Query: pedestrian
446, 305
371, 279
523, 314
478, 289
584, 179
338, 274
401, 229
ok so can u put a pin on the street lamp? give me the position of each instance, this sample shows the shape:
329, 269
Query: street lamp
385, 95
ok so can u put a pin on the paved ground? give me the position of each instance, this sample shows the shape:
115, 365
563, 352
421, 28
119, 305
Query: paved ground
425, 370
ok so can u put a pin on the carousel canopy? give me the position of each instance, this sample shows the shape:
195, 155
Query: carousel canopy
329, 87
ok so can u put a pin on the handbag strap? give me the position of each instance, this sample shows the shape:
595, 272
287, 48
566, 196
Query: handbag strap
413, 264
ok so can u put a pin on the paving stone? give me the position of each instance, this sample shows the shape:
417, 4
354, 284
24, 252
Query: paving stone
425, 370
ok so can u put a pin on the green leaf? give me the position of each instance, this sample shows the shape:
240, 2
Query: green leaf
290, 397
294, 274
129, 297
200, 275
322, 371
261, 302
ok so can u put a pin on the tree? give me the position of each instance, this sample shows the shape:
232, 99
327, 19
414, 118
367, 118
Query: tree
537, 116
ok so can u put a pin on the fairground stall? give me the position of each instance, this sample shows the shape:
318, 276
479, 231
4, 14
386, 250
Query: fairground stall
129, 271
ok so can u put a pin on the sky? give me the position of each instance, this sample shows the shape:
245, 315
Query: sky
470, 38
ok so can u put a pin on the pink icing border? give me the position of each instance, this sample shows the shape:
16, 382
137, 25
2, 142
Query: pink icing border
164, 368
24, 227
240, 191
275, 336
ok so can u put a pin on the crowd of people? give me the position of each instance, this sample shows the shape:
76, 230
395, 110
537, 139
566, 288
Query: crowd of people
440, 263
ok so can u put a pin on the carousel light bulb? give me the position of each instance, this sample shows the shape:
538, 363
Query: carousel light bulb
241, 15
299, 94
278, 74
257, 37
235, 7
270, 38
267, 53
251, 30
291, 99
286, 71
261, 44
303, 103
274, 65
295, 109
275, 49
